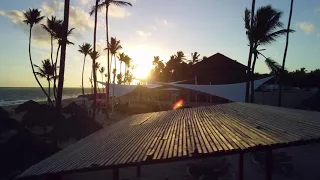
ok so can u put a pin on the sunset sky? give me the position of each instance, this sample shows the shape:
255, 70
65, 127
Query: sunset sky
153, 28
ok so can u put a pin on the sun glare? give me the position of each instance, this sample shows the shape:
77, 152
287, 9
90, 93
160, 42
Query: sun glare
142, 58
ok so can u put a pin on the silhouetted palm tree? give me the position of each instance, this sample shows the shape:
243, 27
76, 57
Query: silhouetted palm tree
58, 34
127, 62
285, 55
195, 58
264, 31
51, 27
180, 57
46, 71
85, 49
248, 18
155, 61
122, 58
33, 17
94, 52
114, 47
97, 7
101, 70
64, 41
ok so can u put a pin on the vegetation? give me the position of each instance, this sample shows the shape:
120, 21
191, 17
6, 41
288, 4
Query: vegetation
46, 71
285, 53
106, 4
265, 29
85, 49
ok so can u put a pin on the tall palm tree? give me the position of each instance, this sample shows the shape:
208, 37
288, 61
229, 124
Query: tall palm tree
95, 66
101, 70
155, 61
285, 55
58, 34
33, 17
122, 58
195, 58
46, 71
114, 47
94, 52
266, 28
64, 41
249, 17
127, 62
85, 49
97, 7
51, 27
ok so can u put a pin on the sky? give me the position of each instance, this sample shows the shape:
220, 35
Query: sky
153, 28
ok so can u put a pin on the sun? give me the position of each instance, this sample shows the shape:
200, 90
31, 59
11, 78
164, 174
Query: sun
141, 71
142, 59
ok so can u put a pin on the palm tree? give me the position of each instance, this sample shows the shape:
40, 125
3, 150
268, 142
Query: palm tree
180, 57
46, 71
33, 17
101, 70
58, 34
264, 31
127, 62
114, 46
249, 17
195, 58
97, 7
285, 55
155, 61
50, 27
122, 58
64, 41
85, 49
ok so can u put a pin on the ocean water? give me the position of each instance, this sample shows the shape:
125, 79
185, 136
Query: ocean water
19, 95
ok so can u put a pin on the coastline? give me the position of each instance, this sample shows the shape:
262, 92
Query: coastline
10, 108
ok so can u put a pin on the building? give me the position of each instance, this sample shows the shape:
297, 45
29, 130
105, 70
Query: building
218, 69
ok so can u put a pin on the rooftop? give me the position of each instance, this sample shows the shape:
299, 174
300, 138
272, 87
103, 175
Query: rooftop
184, 134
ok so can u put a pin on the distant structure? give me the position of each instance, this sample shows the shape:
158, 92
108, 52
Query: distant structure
217, 69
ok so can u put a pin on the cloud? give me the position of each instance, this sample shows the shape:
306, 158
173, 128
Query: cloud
78, 19
306, 27
84, 2
116, 12
143, 33
163, 22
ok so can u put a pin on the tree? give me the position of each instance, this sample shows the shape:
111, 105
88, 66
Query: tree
51, 27
106, 5
122, 58
46, 71
93, 56
195, 58
101, 70
180, 57
264, 31
58, 35
127, 62
33, 17
285, 54
248, 18
85, 49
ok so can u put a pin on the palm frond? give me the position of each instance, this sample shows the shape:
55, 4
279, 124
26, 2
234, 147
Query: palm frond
272, 37
99, 8
120, 3
273, 66
246, 18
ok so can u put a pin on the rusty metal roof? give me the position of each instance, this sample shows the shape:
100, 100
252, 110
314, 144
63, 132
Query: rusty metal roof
186, 133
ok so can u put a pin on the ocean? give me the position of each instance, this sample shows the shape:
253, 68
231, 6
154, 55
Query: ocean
18, 95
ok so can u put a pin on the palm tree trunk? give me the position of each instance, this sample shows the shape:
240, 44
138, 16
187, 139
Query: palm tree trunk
94, 61
55, 74
34, 73
49, 89
250, 55
108, 63
84, 62
284, 57
91, 81
252, 77
62, 63
52, 50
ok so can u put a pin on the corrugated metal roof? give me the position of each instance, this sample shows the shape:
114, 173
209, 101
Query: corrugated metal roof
173, 135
